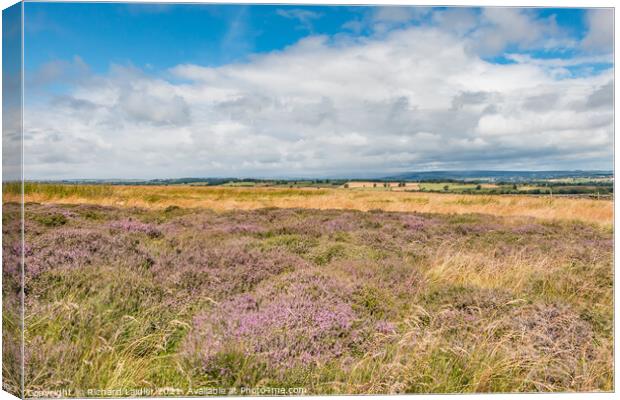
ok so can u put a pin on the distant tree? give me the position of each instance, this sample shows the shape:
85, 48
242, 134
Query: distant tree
346, 185
514, 186
446, 187
478, 187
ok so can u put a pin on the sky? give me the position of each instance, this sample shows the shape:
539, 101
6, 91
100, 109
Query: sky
146, 91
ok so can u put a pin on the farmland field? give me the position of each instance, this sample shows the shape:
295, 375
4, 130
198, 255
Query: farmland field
222, 198
328, 290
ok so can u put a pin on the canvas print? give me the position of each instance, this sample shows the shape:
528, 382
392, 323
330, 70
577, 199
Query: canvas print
233, 199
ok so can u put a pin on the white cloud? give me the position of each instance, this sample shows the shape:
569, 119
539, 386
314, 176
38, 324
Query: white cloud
398, 14
305, 17
412, 99
600, 23
501, 27
458, 20
489, 30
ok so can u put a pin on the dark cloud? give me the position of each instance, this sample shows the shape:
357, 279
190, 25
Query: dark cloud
603, 97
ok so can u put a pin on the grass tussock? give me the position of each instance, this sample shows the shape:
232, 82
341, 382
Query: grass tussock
240, 198
334, 301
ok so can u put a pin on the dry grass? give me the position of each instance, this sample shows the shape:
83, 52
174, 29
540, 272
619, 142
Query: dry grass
393, 302
228, 198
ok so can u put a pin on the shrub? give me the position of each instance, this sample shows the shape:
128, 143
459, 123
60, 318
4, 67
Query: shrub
130, 225
52, 220
303, 318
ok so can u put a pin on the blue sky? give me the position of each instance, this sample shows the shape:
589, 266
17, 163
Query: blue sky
11, 93
161, 36
120, 90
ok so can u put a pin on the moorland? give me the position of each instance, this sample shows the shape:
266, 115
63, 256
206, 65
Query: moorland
331, 289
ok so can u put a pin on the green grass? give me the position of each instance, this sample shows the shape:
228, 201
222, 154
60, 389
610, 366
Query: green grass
436, 186
240, 184
459, 187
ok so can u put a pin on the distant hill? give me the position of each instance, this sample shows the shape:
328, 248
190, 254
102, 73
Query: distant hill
496, 176
418, 176
172, 181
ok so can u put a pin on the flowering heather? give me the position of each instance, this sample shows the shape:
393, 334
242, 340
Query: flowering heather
71, 247
242, 228
414, 222
386, 327
130, 225
336, 301
299, 319
11, 297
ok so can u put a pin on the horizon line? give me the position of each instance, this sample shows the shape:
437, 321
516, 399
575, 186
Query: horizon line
395, 175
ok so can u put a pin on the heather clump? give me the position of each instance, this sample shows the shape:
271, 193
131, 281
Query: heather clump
70, 247
243, 228
294, 243
221, 268
414, 222
300, 319
345, 222
52, 220
328, 253
130, 225
95, 213
11, 297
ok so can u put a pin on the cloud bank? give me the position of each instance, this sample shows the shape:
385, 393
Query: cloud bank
412, 97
